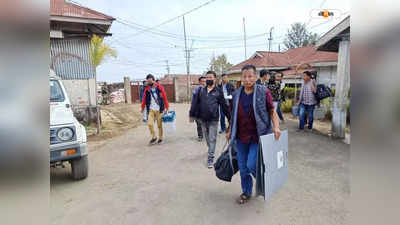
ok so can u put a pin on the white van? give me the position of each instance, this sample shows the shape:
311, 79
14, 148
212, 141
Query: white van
67, 135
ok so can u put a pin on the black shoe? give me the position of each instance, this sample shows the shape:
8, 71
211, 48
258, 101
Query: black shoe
152, 141
221, 131
159, 141
200, 139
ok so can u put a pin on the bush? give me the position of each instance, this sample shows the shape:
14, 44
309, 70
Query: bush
288, 92
286, 106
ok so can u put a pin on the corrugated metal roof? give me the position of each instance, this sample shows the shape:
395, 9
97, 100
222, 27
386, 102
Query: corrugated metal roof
63, 8
70, 58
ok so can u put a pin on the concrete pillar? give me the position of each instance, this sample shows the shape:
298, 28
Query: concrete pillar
176, 85
338, 109
127, 87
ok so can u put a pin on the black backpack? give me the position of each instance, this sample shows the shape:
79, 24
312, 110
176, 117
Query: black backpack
323, 92
227, 164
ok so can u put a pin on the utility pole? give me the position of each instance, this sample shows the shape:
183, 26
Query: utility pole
168, 72
270, 39
187, 58
244, 38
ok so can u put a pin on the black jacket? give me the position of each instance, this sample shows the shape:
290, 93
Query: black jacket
229, 88
205, 106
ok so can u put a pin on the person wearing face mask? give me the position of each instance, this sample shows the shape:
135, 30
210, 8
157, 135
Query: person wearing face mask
156, 102
207, 104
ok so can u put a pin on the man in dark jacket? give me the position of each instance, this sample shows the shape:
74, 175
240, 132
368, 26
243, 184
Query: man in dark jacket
206, 108
228, 90
156, 102
202, 82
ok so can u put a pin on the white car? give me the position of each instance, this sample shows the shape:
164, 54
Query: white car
67, 135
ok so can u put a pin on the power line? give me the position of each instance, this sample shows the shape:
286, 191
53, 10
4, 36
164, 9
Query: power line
174, 18
189, 37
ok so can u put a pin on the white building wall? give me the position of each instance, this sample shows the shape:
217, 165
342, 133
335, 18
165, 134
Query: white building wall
327, 75
78, 91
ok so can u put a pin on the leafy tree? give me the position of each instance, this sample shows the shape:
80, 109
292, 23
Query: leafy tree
299, 36
99, 51
219, 64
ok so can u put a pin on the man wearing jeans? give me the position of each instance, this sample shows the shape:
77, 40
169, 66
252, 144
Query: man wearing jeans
307, 101
206, 106
253, 116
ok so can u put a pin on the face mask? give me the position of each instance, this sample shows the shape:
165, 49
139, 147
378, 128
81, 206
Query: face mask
209, 82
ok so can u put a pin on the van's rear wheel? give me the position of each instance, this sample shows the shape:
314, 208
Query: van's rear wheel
80, 168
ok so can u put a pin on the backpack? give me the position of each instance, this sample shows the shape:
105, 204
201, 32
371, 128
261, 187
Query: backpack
323, 92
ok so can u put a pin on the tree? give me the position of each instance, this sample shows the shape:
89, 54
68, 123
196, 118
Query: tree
98, 53
299, 36
220, 64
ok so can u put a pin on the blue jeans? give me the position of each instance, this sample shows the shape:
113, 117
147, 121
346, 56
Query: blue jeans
279, 112
247, 161
222, 119
309, 109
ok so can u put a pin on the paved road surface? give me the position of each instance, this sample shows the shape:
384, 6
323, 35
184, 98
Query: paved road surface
131, 183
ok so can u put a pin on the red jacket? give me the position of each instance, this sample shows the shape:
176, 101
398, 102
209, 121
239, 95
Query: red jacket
162, 96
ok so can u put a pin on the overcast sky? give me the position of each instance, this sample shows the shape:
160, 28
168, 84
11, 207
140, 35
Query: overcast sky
216, 28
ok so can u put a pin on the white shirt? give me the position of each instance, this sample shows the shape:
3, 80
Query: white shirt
153, 103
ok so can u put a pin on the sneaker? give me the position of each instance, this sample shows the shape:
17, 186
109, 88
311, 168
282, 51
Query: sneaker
159, 141
152, 141
210, 165
200, 139
221, 131
299, 130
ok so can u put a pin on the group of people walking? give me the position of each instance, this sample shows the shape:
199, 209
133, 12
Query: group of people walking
253, 110
250, 112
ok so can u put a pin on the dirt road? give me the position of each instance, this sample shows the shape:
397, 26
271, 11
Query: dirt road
132, 183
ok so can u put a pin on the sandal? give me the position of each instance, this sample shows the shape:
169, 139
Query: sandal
243, 198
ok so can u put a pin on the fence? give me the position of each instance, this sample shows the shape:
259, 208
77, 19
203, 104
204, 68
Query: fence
169, 89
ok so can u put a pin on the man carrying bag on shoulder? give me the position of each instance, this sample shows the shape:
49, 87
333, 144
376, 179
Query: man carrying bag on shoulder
253, 116
156, 102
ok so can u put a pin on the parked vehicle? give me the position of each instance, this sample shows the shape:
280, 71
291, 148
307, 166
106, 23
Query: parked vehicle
67, 135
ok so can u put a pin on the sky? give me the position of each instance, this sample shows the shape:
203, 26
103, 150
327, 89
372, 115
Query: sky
214, 29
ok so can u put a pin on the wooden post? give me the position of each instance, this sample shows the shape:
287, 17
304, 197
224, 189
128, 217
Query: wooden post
339, 109
127, 90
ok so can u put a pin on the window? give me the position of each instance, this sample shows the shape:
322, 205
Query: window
56, 93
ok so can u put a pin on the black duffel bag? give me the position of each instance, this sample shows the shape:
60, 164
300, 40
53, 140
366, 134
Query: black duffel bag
227, 164
322, 92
